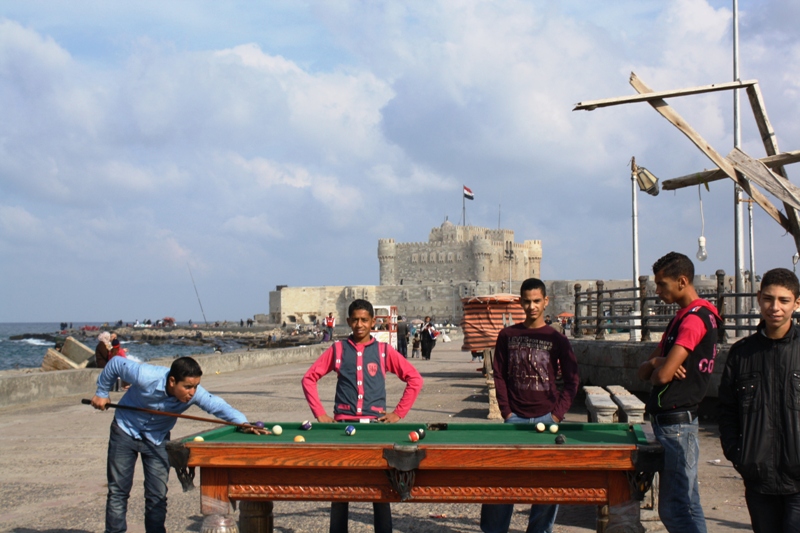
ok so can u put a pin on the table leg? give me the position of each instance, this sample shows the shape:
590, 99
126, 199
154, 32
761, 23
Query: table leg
216, 523
602, 518
255, 517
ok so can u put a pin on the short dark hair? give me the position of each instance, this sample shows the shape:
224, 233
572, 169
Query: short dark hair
782, 277
184, 367
531, 284
360, 304
674, 265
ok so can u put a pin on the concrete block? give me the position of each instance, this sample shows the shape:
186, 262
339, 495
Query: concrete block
55, 360
631, 407
77, 352
600, 405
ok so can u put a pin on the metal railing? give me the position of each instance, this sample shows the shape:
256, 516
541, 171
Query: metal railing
597, 311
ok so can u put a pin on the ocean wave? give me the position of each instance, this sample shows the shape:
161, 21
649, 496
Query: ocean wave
35, 342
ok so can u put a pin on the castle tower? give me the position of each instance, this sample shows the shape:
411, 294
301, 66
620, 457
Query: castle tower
386, 255
482, 258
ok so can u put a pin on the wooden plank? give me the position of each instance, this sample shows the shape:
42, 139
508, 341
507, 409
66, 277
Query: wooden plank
707, 176
756, 171
771, 146
671, 115
650, 96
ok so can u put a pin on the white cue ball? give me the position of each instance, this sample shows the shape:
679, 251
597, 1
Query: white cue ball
554, 428
199, 439
540, 427
277, 430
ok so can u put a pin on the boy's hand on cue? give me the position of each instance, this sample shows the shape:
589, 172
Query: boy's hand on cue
100, 403
256, 431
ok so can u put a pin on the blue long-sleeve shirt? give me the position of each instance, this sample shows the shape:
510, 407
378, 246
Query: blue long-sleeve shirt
148, 390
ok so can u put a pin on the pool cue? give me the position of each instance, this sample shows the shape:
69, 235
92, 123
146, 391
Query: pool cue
176, 415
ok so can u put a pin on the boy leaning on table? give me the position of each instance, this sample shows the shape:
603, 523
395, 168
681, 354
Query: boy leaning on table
135, 433
527, 358
361, 363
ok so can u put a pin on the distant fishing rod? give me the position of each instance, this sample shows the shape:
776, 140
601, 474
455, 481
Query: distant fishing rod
197, 293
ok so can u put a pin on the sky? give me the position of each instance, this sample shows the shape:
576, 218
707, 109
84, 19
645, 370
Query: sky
242, 145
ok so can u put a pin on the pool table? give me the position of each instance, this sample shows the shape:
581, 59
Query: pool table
602, 464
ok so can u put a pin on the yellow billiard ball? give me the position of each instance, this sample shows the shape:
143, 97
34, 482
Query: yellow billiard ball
299, 438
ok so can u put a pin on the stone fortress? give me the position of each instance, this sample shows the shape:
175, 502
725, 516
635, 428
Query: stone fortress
431, 278
423, 278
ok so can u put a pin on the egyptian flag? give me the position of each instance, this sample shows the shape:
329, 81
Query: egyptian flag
468, 193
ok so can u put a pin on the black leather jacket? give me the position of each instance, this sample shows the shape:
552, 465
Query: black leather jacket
759, 411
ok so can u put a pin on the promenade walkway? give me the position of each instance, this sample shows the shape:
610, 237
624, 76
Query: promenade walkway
52, 458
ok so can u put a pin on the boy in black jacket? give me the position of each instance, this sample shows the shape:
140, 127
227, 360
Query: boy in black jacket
759, 408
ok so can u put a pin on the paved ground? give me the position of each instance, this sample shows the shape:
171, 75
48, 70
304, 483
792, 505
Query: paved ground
52, 458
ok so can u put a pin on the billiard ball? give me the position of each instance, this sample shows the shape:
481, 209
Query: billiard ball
561, 439
277, 430
413, 436
554, 428
421, 433
306, 425
540, 427
199, 439
259, 424
299, 438
350, 431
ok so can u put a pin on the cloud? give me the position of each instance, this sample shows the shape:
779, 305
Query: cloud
256, 226
146, 142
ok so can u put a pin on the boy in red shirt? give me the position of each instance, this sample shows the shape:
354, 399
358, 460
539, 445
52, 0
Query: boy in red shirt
361, 364
680, 369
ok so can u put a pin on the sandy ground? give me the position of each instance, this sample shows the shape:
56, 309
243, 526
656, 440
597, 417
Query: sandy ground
52, 458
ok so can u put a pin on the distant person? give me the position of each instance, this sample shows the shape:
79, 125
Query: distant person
330, 324
548, 320
759, 408
134, 433
101, 352
402, 336
416, 353
428, 337
361, 396
680, 370
116, 349
526, 360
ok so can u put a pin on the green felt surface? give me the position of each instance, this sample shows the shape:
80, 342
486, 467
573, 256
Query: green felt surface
454, 434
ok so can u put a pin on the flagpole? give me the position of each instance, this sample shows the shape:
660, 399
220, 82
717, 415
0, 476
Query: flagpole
463, 208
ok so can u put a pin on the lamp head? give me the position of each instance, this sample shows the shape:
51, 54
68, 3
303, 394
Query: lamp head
647, 181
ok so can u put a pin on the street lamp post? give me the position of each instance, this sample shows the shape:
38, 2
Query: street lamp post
648, 183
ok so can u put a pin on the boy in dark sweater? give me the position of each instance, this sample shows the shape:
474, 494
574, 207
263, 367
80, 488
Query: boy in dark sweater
526, 360
361, 364
759, 408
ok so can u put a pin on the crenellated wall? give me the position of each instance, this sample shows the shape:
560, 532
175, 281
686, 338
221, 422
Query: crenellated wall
459, 253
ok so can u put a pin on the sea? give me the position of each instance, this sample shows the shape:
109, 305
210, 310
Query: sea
29, 352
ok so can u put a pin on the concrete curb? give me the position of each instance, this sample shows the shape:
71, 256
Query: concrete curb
27, 388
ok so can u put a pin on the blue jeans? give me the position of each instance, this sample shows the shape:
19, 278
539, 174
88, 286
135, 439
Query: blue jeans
496, 518
382, 517
678, 490
122, 453
779, 513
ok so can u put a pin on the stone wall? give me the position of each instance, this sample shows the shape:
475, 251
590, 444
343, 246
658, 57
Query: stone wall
605, 363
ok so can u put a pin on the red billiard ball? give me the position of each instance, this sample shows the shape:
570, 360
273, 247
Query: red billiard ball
414, 436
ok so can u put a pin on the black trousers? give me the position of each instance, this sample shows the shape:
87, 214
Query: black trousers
382, 517
773, 513
427, 348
